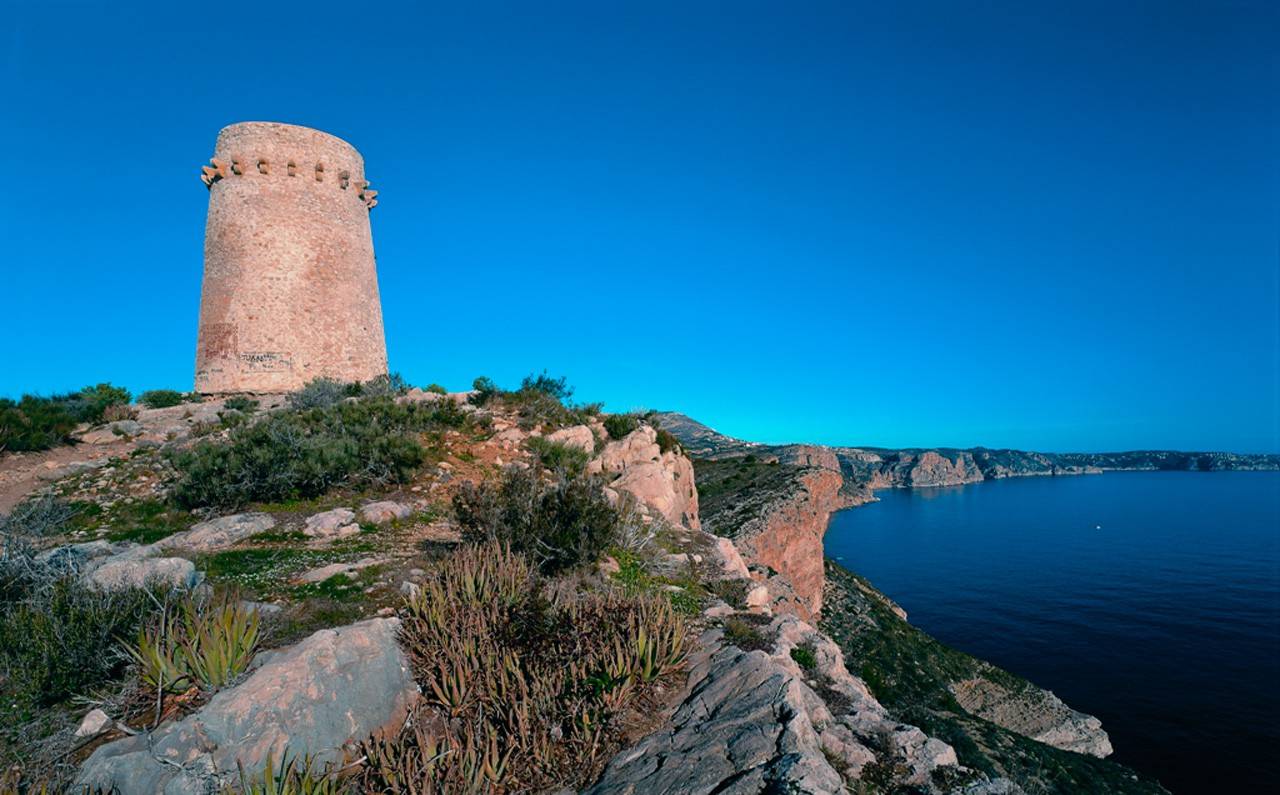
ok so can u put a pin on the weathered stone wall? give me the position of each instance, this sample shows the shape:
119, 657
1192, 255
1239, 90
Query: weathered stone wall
290, 288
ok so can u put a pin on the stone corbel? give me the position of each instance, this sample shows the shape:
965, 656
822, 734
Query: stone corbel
214, 172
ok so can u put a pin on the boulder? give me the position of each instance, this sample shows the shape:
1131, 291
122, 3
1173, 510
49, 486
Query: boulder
221, 532
334, 569
579, 436
115, 432
639, 446
54, 473
510, 439
93, 724
385, 511
135, 569
334, 687
336, 523
730, 560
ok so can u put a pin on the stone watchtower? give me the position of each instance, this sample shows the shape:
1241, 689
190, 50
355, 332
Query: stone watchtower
290, 288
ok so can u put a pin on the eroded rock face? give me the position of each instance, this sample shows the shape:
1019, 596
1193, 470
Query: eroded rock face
336, 686
742, 728
1034, 713
750, 722
934, 469
786, 535
662, 481
809, 455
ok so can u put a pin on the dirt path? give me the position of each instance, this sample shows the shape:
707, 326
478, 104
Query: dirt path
19, 471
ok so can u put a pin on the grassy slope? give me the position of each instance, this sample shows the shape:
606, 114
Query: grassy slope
909, 673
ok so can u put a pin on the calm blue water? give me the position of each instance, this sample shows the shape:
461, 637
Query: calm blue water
1164, 621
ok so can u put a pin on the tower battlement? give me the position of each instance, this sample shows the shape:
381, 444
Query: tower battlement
290, 289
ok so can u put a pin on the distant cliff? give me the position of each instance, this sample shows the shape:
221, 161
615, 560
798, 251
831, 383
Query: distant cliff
869, 468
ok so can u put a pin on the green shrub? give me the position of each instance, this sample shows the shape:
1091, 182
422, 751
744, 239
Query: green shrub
619, 426
557, 388
667, 441
805, 657
98, 398
540, 400
319, 393
161, 398
38, 423
242, 404
739, 631
34, 423
303, 454
58, 637
557, 455
561, 524
485, 390
437, 389
389, 385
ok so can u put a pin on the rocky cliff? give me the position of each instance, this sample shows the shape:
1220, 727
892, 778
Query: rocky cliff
775, 501
875, 468
776, 515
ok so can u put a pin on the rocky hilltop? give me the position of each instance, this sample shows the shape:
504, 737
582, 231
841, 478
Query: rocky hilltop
492, 591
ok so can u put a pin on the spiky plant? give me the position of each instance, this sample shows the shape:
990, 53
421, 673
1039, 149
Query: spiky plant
294, 776
197, 644
523, 683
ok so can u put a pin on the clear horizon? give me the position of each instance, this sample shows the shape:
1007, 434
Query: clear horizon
1046, 228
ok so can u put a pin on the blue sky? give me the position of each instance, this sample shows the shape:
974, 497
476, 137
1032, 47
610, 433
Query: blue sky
1037, 225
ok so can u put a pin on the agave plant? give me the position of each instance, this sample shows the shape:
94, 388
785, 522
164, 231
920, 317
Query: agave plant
203, 645
657, 640
294, 776
523, 679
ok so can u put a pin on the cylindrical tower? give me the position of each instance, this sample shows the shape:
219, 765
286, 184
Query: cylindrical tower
290, 288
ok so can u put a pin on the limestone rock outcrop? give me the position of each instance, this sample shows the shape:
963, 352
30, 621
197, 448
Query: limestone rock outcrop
579, 437
662, 481
748, 722
336, 686
742, 728
1035, 713
221, 532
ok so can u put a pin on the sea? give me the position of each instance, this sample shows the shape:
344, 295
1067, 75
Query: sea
1148, 599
